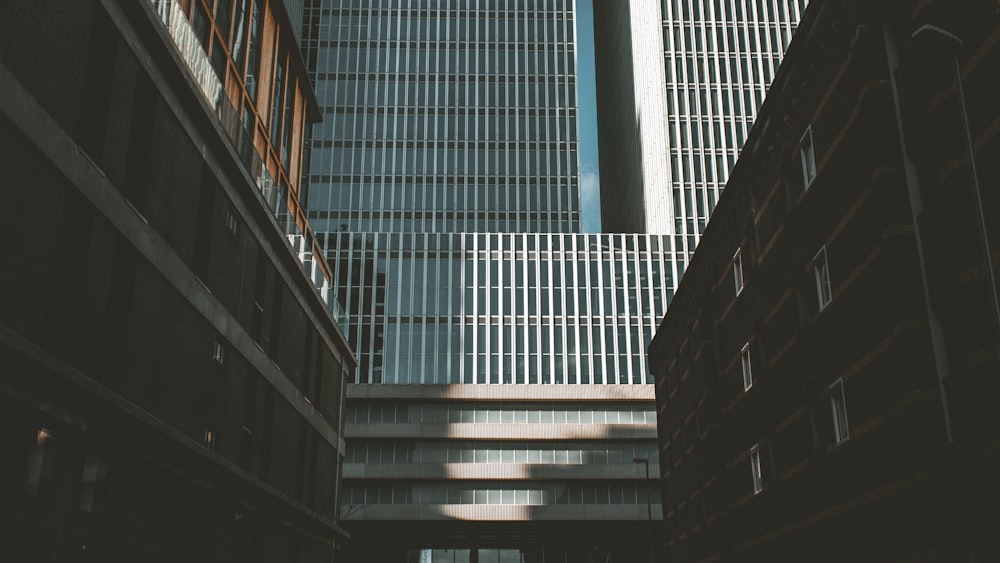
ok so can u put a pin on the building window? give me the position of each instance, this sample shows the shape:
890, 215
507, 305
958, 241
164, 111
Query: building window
838, 405
232, 223
821, 271
807, 154
745, 364
40, 470
93, 481
209, 439
758, 479
257, 315
220, 353
738, 271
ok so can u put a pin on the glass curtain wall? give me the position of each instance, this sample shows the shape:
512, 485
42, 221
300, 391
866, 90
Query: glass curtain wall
720, 57
444, 182
502, 308
444, 116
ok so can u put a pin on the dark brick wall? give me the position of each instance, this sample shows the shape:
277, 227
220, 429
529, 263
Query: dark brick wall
896, 488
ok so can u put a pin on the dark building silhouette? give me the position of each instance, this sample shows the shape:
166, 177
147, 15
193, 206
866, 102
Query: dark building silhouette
826, 372
171, 368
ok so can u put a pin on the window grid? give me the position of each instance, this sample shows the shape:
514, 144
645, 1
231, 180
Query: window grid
459, 121
501, 308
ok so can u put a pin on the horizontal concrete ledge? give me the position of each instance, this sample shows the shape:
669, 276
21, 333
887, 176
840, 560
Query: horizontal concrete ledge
497, 471
523, 392
500, 513
487, 431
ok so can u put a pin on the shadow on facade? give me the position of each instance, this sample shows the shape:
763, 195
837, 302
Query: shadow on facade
622, 207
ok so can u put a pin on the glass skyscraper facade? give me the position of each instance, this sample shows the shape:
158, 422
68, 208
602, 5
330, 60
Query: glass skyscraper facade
501, 393
719, 58
444, 116
500, 308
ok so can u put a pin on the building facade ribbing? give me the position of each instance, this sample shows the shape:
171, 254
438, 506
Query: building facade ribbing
444, 116
489, 417
499, 308
718, 61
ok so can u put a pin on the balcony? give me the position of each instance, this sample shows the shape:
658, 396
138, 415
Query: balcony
171, 14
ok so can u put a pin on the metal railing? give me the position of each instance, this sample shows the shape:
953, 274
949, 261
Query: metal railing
171, 14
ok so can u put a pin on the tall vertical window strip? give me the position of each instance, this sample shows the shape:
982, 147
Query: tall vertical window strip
202, 25
253, 49
838, 404
278, 94
755, 470
821, 272
745, 367
738, 271
286, 127
238, 44
807, 155
223, 9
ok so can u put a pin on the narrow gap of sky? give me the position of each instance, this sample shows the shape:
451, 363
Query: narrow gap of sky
587, 117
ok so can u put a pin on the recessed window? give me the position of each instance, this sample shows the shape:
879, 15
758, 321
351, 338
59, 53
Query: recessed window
821, 272
738, 271
838, 405
257, 314
93, 482
209, 439
808, 156
232, 223
40, 469
755, 470
220, 353
745, 365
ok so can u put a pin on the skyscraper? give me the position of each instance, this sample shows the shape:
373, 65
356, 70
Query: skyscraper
718, 59
501, 394
444, 116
